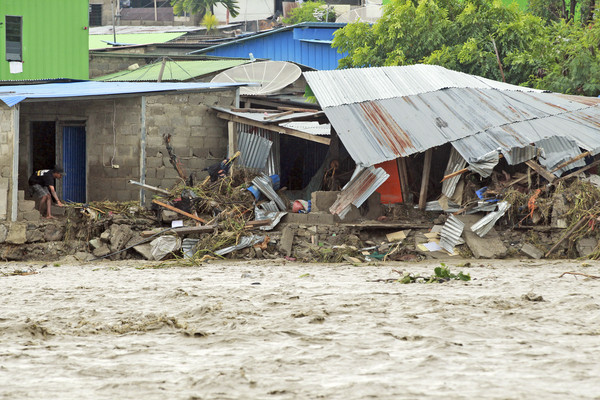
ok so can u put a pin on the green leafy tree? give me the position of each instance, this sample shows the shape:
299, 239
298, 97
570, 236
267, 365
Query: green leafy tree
456, 34
200, 7
310, 11
567, 10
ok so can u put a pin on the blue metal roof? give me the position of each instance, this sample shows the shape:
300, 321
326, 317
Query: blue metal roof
12, 95
308, 43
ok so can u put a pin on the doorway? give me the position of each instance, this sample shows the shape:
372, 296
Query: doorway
43, 145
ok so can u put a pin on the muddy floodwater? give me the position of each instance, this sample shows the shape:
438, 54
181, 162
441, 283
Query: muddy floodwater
276, 330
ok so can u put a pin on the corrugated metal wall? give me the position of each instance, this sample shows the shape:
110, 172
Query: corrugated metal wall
283, 46
273, 164
54, 38
74, 164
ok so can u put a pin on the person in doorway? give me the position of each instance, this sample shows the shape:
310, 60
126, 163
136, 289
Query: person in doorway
41, 184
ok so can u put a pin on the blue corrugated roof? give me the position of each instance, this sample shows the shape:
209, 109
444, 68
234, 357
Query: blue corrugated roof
12, 95
308, 43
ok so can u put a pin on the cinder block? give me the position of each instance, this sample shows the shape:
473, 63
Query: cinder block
293, 218
323, 200
31, 216
321, 218
25, 205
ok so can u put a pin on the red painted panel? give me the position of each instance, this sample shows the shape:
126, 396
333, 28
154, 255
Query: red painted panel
390, 190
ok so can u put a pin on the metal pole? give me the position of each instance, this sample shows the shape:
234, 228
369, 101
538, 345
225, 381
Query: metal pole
155, 12
112, 11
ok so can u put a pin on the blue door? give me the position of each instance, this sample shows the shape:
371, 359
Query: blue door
74, 162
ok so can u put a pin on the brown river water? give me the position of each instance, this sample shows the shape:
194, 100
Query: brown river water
277, 330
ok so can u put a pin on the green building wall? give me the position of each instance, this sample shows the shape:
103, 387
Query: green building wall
54, 39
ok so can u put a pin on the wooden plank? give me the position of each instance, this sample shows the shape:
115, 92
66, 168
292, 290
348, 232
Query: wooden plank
298, 109
425, 178
572, 160
275, 116
403, 174
232, 139
541, 170
177, 210
183, 230
275, 128
574, 173
256, 224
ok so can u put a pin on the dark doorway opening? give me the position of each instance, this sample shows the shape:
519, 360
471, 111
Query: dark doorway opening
43, 145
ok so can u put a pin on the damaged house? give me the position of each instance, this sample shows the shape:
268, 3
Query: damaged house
105, 134
422, 124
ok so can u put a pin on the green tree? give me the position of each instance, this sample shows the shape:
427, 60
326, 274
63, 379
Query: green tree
310, 11
200, 7
568, 10
456, 34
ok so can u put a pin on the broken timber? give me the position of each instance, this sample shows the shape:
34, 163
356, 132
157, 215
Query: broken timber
177, 210
425, 179
275, 128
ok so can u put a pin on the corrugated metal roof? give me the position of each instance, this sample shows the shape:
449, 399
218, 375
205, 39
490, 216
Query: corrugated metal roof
12, 95
261, 116
310, 127
358, 190
558, 150
323, 25
355, 85
491, 116
100, 41
173, 71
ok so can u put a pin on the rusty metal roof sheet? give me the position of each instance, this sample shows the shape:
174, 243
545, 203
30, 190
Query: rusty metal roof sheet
356, 85
362, 185
384, 113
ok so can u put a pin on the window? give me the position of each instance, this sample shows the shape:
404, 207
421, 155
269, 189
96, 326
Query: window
14, 35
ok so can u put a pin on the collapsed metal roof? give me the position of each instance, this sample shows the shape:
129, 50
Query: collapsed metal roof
384, 113
15, 94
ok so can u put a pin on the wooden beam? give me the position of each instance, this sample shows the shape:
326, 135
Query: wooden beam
275, 116
425, 178
177, 210
403, 175
275, 128
298, 109
572, 160
541, 170
572, 174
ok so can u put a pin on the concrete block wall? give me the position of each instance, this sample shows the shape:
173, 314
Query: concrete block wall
103, 64
6, 157
198, 137
104, 181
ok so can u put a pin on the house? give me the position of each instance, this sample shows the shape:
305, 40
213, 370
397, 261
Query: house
43, 39
308, 43
105, 134
440, 121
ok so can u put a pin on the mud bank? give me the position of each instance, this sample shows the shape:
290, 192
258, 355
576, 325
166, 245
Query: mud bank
287, 331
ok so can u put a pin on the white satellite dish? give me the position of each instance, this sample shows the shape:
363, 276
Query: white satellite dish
369, 13
271, 75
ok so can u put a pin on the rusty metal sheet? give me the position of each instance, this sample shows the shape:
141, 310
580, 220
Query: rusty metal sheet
356, 85
362, 185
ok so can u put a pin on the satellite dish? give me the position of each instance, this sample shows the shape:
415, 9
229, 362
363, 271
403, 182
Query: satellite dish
271, 75
369, 13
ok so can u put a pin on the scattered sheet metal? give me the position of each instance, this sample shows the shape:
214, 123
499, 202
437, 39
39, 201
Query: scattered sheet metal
274, 216
451, 232
245, 241
188, 247
485, 164
269, 206
273, 162
485, 224
310, 127
358, 190
255, 150
455, 163
263, 183
435, 205
557, 150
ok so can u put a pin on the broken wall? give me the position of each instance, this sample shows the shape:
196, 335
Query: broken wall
198, 137
7, 125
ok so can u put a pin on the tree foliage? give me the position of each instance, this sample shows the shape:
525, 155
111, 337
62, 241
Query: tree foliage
306, 13
474, 36
203, 6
